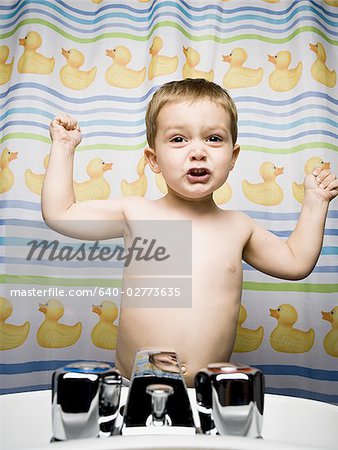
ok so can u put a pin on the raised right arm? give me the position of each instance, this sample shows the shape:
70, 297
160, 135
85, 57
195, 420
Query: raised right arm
93, 219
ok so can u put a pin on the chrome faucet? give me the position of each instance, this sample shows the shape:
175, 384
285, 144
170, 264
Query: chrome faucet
230, 399
85, 400
157, 396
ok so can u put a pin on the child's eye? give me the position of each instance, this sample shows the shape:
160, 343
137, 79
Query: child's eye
215, 139
177, 139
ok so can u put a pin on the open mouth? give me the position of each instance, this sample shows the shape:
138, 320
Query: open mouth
198, 174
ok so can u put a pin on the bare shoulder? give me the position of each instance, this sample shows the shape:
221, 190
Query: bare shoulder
239, 222
138, 208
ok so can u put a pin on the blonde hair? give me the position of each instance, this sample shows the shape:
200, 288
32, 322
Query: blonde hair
188, 89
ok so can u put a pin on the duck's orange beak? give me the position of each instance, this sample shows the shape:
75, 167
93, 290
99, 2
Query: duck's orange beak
107, 166
13, 155
226, 58
326, 316
274, 313
110, 53
272, 59
279, 171
22, 41
42, 308
326, 165
96, 309
313, 48
64, 52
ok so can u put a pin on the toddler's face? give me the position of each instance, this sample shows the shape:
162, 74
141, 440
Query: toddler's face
194, 149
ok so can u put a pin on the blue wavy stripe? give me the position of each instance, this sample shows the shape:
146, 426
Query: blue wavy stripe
141, 110
144, 98
29, 388
76, 100
269, 137
59, 107
300, 371
259, 215
302, 393
35, 366
227, 14
286, 233
118, 20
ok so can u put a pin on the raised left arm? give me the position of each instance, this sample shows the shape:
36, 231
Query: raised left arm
296, 257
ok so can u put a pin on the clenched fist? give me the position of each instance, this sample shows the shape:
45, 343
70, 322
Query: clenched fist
66, 131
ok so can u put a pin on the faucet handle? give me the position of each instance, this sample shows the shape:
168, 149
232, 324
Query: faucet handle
159, 396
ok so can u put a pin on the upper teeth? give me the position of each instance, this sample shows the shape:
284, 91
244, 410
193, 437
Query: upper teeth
198, 171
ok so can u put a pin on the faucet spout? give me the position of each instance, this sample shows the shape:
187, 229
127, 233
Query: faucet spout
159, 395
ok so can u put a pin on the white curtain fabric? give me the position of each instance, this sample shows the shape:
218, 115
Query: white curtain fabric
101, 61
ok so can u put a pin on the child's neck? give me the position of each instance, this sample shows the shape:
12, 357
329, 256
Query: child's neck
198, 206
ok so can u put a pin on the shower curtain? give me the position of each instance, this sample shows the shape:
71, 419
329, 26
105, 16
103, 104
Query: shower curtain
101, 61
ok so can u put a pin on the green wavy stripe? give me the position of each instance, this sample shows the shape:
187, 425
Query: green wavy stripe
54, 281
290, 287
290, 150
171, 24
141, 145
86, 282
46, 140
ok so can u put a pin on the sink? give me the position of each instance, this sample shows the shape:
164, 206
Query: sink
289, 423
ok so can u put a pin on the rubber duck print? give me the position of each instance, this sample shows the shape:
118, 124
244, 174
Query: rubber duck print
97, 187
33, 180
138, 187
223, 194
104, 334
310, 165
118, 74
5, 68
11, 336
247, 340
268, 193
97, 1
31, 61
192, 60
282, 78
285, 338
71, 76
160, 65
6, 175
331, 339
319, 71
238, 76
51, 333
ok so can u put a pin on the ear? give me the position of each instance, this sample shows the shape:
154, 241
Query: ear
235, 153
150, 156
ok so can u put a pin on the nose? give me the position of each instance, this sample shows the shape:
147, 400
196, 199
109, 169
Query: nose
198, 152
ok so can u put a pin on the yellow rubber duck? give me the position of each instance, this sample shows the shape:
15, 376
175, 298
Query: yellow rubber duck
319, 70
118, 74
271, 1
97, 187
138, 187
161, 184
11, 336
238, 76
97, 1
282, 78
33, 180
310, 165
5, 68
104, 334
31, 61
51, 333
6, 175
284, 338
160, 65
331, 339
247, 340
70, 75
223, 194
192, 60
268, 193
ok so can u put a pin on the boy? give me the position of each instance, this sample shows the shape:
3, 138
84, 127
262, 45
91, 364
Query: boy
192, 133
